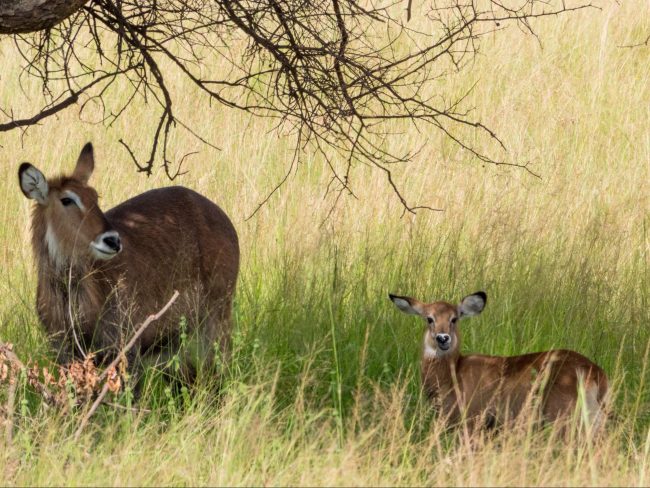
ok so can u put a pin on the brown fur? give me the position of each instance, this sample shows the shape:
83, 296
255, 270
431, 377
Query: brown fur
496, 389
172, 239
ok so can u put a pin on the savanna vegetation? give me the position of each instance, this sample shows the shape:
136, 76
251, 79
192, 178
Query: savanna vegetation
323, 387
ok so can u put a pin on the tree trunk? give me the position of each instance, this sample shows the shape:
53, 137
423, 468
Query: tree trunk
21, 16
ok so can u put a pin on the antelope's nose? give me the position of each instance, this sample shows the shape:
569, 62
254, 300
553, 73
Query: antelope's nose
442, 339
113, 242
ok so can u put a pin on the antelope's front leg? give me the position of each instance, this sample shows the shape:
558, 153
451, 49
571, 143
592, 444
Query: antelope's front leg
64, 347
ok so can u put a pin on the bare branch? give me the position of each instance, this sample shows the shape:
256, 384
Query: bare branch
336, 75
137, 334
57, 107
639, 44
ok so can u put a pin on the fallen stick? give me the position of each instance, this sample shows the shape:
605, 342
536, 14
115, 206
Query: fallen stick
145, 324
129, 345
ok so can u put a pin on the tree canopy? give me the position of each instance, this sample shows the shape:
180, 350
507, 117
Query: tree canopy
333, 73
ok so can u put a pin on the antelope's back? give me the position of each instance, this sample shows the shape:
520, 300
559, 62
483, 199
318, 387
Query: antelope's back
175, 238
561, 370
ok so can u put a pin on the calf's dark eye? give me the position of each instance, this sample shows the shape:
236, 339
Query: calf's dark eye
430, 320
454, 320
67, 201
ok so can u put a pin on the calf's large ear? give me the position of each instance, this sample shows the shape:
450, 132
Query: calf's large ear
472, 304
33, 183
407, 304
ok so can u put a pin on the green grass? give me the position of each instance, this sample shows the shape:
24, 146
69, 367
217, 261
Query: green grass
323, 387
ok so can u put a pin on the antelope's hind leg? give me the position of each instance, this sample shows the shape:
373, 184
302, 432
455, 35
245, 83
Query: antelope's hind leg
594, 411
216, 340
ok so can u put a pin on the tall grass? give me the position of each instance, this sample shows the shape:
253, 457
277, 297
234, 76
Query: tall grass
324, 383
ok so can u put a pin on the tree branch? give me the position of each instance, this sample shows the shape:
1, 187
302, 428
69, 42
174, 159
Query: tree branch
335, 75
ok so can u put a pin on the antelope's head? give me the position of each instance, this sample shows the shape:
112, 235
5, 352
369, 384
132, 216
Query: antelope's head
67, 219
442, 336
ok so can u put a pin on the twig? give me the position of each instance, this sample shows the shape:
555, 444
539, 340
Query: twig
93, 408
129, 345
136, 336
53, 109
631, 46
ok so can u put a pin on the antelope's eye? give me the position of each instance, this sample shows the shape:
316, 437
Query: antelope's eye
453, 320
430, 320
67, 201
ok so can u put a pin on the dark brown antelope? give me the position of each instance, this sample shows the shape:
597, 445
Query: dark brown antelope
100, 274
493, 390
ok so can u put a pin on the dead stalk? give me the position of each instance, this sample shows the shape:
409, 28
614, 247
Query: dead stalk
42, 389
11, 407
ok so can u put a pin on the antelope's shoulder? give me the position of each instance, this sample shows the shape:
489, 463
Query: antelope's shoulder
157, 196
157, 207
482, 363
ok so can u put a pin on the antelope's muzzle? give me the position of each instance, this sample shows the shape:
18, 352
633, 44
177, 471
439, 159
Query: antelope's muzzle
106, 245
444, 341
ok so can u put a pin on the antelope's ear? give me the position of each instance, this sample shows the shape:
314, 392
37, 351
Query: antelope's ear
472, 304
85, 164
407, 304
33, 183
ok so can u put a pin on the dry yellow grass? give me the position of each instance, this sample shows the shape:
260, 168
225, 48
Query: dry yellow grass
564, 256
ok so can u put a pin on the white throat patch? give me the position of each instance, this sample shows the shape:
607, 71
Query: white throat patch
53, 247
430, 352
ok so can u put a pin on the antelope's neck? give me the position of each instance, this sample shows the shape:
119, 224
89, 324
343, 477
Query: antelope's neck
66, 291
52, 263
55, 270
64, 283
438, 372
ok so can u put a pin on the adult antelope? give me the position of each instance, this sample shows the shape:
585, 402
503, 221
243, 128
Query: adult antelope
100, 274
496, 389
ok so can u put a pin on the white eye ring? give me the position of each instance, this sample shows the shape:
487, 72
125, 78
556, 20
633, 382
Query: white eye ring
74, 197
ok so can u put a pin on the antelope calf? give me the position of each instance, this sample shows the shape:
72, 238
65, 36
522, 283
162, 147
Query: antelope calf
494, 389
100, 274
